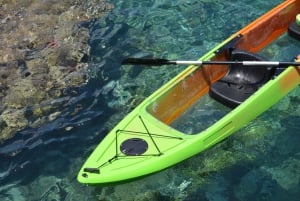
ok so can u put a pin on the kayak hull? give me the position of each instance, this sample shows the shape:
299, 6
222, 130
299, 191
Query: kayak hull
144, 142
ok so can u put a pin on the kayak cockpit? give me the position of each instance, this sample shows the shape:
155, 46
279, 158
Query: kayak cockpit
241, 82
210, 92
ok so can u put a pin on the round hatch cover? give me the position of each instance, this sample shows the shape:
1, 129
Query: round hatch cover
134, 147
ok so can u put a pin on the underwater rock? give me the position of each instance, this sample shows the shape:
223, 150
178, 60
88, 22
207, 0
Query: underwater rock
44, 50
14, 118
14, 194
155, 187
46, 188
287, 175
217, 162
50, 187
152, 195
248, 185
258, 185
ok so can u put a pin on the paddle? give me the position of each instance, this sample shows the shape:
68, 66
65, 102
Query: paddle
160, 62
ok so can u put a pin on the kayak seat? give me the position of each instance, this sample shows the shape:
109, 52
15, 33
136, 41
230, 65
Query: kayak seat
240, 81
294, 30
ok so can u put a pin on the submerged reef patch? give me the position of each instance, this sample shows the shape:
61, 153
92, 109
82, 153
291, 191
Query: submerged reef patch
44, 51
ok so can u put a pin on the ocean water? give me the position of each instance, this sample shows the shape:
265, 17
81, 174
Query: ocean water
259, 162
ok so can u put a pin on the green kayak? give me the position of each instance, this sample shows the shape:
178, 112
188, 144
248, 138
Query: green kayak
147, 140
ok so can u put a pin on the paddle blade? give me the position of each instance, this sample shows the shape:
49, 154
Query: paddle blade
144, 61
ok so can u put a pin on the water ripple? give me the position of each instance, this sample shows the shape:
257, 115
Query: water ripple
54, 151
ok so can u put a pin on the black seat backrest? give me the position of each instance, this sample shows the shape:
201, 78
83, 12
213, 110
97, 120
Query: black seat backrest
240, 74
240, 82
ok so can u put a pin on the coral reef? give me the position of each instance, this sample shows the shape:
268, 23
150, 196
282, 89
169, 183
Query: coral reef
44, 51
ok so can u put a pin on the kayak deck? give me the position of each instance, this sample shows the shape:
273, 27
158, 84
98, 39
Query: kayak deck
150, 138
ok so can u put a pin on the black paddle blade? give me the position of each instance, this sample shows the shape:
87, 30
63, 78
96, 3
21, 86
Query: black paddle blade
145, 61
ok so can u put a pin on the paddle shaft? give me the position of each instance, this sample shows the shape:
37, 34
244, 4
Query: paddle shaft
244, 63
159, 62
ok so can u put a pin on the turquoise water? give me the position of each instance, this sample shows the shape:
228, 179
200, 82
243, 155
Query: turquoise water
260, 162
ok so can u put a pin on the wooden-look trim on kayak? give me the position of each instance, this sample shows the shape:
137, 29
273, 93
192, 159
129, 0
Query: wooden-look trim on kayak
265, 29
